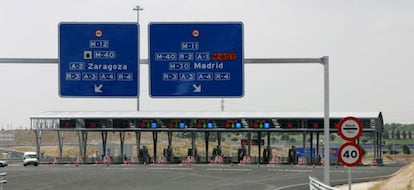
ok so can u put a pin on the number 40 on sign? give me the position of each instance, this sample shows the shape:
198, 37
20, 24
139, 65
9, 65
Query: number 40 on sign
350, 154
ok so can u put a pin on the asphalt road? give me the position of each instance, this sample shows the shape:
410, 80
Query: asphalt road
179, 177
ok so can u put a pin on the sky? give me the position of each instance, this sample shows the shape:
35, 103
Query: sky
370, 46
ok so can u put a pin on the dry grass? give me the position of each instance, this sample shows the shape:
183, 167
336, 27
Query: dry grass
49, 143
403, 180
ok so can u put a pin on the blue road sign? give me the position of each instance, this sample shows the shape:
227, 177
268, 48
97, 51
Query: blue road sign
196, 59
98, 59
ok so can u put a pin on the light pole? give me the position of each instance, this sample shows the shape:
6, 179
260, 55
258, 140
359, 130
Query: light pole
138, 8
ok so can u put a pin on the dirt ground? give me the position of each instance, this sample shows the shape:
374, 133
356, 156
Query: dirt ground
402, 180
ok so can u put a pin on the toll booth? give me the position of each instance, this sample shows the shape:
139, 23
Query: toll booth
195, 154
168, 153
267, 154
126, 123
144, 155
241, 152
292, 156
217, 151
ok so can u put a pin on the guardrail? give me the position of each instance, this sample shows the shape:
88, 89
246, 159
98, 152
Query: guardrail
315, 184
3, 179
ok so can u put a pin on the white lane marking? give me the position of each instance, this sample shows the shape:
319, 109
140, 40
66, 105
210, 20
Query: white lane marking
164, 168
229, 169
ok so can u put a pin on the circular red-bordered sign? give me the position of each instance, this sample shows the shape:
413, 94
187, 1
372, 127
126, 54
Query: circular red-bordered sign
98, 33
350, 128
195, 33
350, 154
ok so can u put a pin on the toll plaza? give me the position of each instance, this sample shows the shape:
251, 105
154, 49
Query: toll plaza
255, 146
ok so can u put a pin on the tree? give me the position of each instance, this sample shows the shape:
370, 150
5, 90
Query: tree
405, 149
404, 134
364, 140
332, 137
397, 134
386, 134
409, 134
285, 137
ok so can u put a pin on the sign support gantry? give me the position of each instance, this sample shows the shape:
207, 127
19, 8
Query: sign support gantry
323, 60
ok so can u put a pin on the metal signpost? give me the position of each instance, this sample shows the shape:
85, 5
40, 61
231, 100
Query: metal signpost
196, 59
98, 59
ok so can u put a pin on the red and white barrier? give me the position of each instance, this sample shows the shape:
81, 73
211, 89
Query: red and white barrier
162, 160
134, 160
275, 160
56, 161
302, 161
217, 160
188, 161
246, 160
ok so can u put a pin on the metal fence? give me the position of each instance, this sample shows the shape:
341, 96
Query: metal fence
315, 184
3, 179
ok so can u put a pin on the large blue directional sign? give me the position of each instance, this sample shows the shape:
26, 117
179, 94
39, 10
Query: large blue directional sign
98, 59
196, 59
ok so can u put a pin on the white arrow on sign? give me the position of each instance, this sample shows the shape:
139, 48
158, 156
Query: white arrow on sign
197, 88
98, 88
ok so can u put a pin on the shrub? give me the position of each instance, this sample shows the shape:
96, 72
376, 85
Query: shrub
405, 149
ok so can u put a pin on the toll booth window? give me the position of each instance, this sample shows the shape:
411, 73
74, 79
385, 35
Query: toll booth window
93, 123
204, 124
148, 124
261, 124
334, 123
122, 123
177, 124
288, 124
71, 123
233, 124
315, 124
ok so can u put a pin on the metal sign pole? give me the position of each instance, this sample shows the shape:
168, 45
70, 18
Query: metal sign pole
138, 8
325, 62
349, 178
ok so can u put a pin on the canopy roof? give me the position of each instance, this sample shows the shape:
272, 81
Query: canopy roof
197, 115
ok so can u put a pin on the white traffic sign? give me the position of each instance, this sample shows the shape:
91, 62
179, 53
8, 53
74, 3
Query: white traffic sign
350, 154
350, 128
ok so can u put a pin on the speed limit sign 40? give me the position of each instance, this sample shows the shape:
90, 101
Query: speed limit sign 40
350, 154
